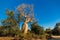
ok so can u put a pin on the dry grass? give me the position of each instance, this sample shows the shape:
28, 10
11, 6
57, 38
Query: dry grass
12, 38
6, 38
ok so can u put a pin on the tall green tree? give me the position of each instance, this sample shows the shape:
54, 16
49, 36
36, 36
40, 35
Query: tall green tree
10, 21
10, 24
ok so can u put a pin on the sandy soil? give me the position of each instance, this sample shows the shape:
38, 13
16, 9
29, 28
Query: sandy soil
12, 38
55, 36
6, 38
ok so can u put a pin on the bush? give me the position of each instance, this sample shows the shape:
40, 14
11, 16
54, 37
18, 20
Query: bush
35, 28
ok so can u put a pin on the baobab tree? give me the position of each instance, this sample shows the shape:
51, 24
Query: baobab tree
26, 15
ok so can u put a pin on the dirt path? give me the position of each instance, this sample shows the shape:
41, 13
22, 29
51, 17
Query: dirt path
55, 36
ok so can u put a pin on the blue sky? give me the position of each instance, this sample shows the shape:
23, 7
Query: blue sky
47, 12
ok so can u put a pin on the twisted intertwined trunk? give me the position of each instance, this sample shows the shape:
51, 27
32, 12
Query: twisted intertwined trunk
25, 28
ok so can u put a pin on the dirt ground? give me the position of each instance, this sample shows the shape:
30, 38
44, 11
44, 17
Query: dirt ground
12, 38
6, 38
55, 36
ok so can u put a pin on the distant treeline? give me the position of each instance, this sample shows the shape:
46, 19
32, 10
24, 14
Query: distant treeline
55, 30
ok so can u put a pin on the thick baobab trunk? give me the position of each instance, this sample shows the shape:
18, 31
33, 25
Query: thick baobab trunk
25, 25
25, 28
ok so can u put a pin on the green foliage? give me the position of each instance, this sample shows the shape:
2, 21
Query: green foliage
8, 31
35, 28
9, 13
10, 21
48, 31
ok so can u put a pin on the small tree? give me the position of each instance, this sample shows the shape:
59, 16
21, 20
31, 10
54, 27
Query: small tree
48, 30
35, 28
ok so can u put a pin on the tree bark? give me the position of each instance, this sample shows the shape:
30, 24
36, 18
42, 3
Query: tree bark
25, 28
